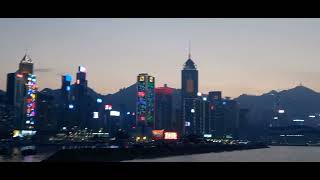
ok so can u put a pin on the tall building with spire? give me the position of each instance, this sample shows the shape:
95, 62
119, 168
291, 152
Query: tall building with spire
190, 103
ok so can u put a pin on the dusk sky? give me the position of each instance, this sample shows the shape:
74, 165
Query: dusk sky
235, 56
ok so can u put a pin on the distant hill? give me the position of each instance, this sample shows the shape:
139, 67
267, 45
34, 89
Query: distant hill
298, 102
56, 93
125, 96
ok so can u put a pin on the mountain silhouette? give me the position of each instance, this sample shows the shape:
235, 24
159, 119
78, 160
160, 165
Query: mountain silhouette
298, 102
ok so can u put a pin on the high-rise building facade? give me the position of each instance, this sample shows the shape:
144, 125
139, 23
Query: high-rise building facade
66, 88
81, 84
29, 107
243, 123
216, 113
189, 101
46, 115
164, 108
205, 116
231, 118
145, 103
84, 105
193, 123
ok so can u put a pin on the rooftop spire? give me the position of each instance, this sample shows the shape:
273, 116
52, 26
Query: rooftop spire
26, 58
189, 55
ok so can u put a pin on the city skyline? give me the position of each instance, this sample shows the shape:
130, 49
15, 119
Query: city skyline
114, 51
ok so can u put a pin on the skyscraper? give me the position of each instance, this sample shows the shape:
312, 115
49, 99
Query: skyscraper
46, 115
81, 82
145, 103
66, 88
21, 93
164, 108
231, 118
190, 103
83, 104
216, 113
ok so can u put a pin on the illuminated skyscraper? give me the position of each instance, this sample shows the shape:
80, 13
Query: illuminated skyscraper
22, 91
190, 103
145, 103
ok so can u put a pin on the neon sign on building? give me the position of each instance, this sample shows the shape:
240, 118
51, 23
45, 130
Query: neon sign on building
31, 88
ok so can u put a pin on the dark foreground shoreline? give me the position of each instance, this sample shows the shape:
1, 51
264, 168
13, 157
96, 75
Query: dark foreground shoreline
122, 154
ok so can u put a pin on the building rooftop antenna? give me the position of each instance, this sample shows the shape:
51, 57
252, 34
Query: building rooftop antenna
189, 54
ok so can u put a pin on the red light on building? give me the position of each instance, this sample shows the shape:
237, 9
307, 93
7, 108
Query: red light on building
170, 135
78, 81
141, 94
108, 107
163, 90
212, 107
142, 118
19, 75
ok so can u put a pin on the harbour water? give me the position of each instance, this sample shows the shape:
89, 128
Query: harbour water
15, 155
272, 154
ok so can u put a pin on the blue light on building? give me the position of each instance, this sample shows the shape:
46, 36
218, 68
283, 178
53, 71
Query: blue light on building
68, 88
68, 78
99, 100
71, 106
